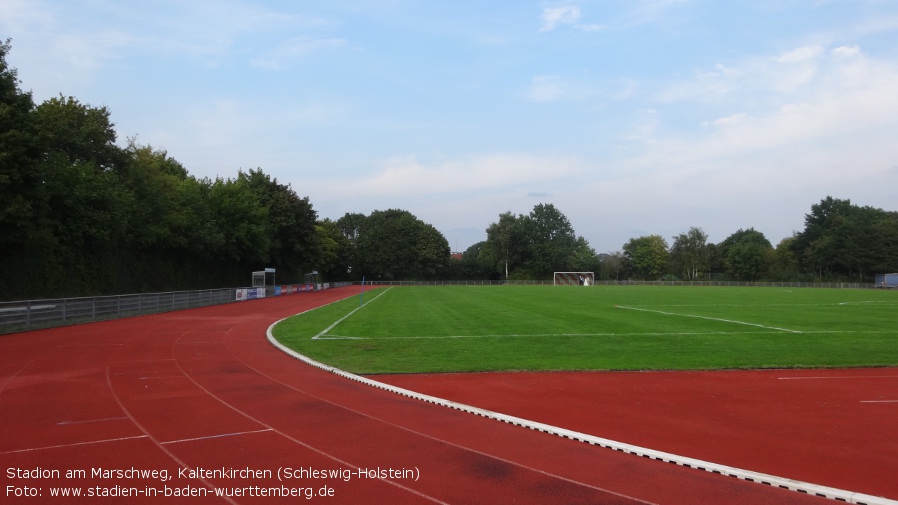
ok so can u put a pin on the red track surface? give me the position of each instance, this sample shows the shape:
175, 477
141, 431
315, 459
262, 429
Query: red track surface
204, 389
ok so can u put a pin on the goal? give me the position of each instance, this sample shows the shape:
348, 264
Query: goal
574, 279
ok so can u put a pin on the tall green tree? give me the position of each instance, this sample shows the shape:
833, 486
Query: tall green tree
475, 264
533, 246
350, 225
24, 239
551, 241
748, 255
333, 251
394, 244
290, 223
689, 254
505, 243
87, 203
646, 256
842, 240
21, 188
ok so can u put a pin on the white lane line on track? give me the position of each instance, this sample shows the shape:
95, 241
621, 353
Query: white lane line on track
156, 441
329, 328
724, 470
76, 444
220, 435
708, 318
300, 442
66, 423
879, 401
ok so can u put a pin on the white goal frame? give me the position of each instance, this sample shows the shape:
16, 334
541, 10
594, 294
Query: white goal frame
573, 278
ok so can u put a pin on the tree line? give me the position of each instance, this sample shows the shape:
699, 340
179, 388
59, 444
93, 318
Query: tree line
81, 215
840, 241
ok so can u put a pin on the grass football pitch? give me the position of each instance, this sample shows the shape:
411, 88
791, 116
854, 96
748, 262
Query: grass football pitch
491, 328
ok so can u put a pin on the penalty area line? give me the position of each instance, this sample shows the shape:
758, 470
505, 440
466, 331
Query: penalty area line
338, 321
708, 318
556, 335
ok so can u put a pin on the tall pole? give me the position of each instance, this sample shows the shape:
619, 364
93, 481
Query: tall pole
362, 295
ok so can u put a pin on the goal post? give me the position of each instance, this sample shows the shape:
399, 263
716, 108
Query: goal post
573, 279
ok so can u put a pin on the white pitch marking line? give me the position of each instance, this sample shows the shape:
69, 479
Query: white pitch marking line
708, 318
838, 377
526, 335
329, 328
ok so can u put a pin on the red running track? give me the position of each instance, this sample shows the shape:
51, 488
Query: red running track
197, 402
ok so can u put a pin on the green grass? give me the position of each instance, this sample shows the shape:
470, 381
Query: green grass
486, 328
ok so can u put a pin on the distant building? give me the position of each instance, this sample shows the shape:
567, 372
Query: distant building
456, 255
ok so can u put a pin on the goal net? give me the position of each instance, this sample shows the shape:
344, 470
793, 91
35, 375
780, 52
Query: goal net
574, 279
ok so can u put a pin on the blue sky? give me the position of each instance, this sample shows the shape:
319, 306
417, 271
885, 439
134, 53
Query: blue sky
632, 117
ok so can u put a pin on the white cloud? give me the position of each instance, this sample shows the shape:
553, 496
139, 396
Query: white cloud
731, 120
559, 14
847, 51
545, 88
290, 50
591, 27
800, 54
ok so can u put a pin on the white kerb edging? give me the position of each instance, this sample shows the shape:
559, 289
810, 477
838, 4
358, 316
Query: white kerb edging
747, 475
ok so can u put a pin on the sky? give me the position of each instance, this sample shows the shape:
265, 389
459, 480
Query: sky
631, 117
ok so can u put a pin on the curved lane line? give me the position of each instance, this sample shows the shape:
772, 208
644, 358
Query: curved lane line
296, 440
430, 437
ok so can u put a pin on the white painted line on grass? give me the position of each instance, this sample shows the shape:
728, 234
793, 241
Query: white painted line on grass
838, 377
708, 318
329, 328
529, 335
728, 471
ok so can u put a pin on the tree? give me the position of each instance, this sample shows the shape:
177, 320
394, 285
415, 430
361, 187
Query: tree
748, 254
290, 223
21, 189
475, 264
505, 242
551, 241
535, 245
689, 254
646, 256
583, 258
845, 240
785, 265
350, 225
612, 265
394, 244
333, 251
84, 202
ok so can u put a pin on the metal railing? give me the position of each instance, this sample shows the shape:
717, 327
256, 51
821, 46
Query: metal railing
35, 314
